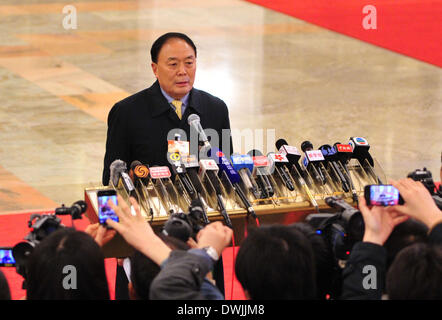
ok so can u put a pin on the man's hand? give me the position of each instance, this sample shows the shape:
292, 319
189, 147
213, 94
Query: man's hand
137, 231
100, 233
418, 202
215, 235
379, 222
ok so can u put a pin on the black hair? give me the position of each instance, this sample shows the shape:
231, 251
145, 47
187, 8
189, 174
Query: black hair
416, 273
275, 262
158, 44
144, 270
5, 293
328, 273
55, 261
403, 235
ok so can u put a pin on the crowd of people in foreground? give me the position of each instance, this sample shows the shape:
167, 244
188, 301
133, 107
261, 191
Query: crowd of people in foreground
399, 257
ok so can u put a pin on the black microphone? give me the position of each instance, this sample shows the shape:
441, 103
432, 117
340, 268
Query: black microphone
120, 177
313, 158
179, 170
261, 164
210, 168
293, 156
192, 167
329, 154
278, 161
360, 148
140, 177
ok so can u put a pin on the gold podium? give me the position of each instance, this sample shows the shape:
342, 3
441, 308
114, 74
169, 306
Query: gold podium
160, 197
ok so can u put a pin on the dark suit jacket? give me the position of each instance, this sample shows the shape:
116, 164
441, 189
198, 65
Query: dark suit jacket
138, 126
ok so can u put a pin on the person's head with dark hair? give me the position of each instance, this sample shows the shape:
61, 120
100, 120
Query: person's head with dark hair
416, 273
144, 270
67, 265
276, 262
174, 63
403, 235
5, 293
328, 273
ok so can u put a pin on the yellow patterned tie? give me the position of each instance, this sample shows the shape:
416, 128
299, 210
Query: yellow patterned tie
177, 104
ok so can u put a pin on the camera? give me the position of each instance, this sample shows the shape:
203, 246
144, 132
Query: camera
42, 226
185, 225
340, 230
426, 178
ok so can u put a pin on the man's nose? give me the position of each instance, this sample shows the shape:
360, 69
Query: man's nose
181, 69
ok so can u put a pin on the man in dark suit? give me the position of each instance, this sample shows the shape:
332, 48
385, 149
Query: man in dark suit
140, 125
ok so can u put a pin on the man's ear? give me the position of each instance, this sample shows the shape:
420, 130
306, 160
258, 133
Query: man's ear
154, 68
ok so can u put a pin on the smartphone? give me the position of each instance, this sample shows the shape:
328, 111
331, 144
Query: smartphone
382, 195
6, 257
104, 210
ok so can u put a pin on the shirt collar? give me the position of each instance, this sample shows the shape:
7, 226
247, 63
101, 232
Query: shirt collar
184, 99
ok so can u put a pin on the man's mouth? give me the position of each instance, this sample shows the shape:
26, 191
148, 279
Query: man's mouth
182, 83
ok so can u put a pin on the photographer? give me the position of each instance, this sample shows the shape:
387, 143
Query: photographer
46, 274
182, 272
379, 223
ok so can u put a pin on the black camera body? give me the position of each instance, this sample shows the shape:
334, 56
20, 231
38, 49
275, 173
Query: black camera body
425, 177
340, 230
185, 225
42, 226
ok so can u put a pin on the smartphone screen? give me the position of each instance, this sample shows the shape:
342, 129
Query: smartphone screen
104, 210
384, 195
6, 258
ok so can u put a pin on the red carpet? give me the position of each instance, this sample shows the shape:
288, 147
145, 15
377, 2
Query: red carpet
14, 227
409, 27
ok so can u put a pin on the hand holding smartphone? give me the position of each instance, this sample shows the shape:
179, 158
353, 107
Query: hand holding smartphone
104, 210
382, 195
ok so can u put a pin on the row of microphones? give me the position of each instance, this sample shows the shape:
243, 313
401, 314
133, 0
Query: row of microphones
252, 176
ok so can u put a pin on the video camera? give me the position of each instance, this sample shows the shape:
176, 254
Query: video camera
340, 230
42, 226
185, 225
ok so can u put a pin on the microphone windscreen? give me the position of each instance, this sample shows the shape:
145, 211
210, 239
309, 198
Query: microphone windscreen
116, 168
280, 143
254, 153
193, 117
134, 164
306, 145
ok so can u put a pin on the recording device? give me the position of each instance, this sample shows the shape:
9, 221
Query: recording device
313, 160
41, 226
261, 172
6, 257
382, 195
104, 210
243, 164
278, 162
234, 178
185, 225
360, 148
120, 177
426, 178
340, 230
